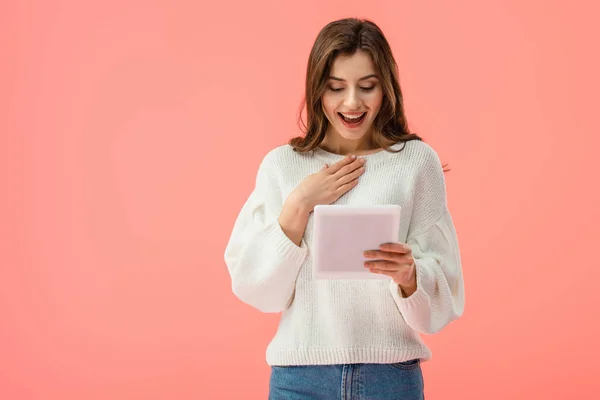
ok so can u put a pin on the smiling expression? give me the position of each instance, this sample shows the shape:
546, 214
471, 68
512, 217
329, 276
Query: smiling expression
353, 96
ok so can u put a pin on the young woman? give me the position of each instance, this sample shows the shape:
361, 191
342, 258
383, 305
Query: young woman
349, 339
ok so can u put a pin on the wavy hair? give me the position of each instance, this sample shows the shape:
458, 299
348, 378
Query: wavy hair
346, 37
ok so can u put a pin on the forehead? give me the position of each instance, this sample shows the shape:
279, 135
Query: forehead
353, 67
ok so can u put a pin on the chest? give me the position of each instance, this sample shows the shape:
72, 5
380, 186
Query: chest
375, 187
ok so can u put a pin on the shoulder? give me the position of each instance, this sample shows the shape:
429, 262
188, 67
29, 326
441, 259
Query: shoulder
282, 157
280, 161
424, 168
428, 185
279, 154
422, 154
418, 159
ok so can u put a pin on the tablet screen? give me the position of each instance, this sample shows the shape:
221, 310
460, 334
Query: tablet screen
342, 233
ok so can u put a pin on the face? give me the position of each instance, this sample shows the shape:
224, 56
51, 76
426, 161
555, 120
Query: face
352, 98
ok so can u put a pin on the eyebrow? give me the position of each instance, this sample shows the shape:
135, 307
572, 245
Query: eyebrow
361, 79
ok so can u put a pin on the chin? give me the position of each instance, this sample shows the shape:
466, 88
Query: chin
352, 136
349, 135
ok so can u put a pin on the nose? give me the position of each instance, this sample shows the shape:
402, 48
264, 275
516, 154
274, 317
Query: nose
352, 100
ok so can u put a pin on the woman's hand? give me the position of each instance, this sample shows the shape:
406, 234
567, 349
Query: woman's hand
329, 184
396, 261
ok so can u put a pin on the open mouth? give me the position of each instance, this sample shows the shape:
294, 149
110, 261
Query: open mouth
352, 121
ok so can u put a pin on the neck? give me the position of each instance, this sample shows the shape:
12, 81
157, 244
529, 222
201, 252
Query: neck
336, 144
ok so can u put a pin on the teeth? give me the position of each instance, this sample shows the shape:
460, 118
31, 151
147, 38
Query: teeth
352, 117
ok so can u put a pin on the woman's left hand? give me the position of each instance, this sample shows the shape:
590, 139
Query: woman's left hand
396, 261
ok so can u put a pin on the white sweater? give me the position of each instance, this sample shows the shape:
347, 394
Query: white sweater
348, 321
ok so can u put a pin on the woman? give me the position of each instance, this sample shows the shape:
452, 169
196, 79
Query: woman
347, 339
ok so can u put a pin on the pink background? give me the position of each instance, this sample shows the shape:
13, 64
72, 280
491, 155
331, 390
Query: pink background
130, 135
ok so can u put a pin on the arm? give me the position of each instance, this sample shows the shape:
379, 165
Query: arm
262, 260
439, 295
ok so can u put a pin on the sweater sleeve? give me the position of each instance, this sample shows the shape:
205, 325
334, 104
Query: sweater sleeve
262, 261
439, 298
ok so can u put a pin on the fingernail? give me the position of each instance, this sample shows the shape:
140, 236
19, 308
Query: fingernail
353, 156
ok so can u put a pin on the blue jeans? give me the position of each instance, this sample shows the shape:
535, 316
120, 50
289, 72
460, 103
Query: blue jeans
398, 381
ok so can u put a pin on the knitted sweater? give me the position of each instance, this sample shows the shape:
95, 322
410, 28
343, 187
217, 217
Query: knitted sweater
348, 321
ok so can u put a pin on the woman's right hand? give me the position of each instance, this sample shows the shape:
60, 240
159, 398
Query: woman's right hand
329, 184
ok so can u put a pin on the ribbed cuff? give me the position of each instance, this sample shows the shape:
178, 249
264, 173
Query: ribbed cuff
417, 305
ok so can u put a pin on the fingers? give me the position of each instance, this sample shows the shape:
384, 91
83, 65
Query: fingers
396, 261
389, 256
384, 265
346, 173
352, 175
396, 248
398, 276
384, 255
346, 187
391, 264
342, 163
348, 168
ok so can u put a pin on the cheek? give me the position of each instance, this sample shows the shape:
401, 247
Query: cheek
375, 101
328, 106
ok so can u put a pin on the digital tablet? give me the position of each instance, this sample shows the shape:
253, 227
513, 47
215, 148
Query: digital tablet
341, 234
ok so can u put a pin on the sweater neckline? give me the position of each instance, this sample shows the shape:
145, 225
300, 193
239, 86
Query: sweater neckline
372, 158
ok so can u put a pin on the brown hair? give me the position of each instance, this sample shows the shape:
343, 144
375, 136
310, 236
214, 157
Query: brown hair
346, 37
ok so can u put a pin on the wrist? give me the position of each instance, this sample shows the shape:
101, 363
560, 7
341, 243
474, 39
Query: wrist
407, 291
408, 288
297, 207
293, 220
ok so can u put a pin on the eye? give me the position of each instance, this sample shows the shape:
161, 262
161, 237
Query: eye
364, 89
